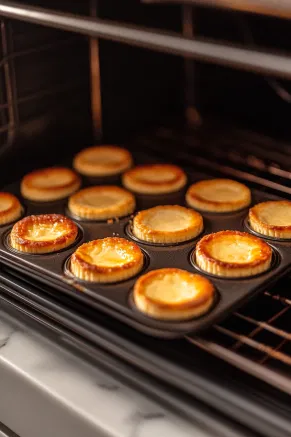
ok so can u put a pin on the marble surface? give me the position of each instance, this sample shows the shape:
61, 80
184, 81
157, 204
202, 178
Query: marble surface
104, 403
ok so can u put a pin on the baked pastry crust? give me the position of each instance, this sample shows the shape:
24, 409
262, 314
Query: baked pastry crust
167, 224
154, 179
233, 254
218, 195
43, 233
10, 208
109, 259
272, 218
173, 294
102, 161
49, 184
102, 202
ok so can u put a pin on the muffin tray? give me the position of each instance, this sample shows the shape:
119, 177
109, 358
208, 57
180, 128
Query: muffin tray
116, 299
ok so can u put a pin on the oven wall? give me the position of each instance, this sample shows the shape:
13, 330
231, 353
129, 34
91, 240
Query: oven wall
49, 71
45, 96
139, 87
49, 75
245, 98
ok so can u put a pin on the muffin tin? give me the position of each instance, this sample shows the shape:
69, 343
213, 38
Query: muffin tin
116, 299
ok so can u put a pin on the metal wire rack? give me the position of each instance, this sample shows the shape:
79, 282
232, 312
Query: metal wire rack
257, 338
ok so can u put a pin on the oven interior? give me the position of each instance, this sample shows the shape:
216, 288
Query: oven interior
64, 88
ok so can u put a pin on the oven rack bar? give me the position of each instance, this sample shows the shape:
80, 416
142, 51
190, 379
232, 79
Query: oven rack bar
270, 376
258, 367
269, 351
263, 62
280, 9
267, 326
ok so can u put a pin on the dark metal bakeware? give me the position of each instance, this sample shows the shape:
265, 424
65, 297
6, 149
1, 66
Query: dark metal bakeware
115, 299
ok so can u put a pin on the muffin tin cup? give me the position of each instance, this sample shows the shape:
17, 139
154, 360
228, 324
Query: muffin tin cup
129, 233
116, 299
7, 243
266, 237
274, 263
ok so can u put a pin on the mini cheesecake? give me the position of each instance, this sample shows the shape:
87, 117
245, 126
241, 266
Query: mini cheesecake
49, 184
272, 218
102, 202
102, 161
110, 259
167, 224
154, 179
43, 233
173, 294
10, 208
233, 254
218, 195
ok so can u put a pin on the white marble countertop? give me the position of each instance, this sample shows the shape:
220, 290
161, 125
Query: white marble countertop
51, 392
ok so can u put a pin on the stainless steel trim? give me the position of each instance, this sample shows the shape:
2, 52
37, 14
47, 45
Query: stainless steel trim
263, 62
6, 432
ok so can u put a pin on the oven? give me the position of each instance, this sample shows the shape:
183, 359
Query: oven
199, 83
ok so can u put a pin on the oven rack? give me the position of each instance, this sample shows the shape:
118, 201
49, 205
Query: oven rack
220, 148
260, 345
257, 338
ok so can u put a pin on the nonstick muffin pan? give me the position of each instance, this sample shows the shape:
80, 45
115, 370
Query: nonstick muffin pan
116, 299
